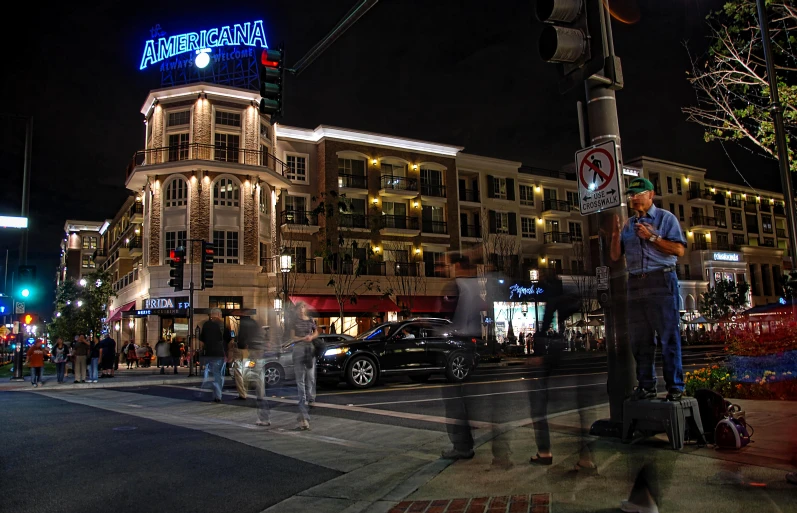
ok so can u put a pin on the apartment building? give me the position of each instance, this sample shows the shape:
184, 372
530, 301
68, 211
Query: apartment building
81, 240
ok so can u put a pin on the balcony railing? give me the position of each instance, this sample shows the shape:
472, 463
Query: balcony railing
737, 226
338, 267
437, 270
780, 232
298, 217
554, 204
133, 242
779, 210
438, 191
767, 242
557, 238
470, 230
714, 246
399, 222
434, 227
305, 266
399, 183
136, 209
698, 194
352, 181
766, 207
102, 253
705, 221
406, 268
353, 221
125, 280
198, 151
469, 195
372, 268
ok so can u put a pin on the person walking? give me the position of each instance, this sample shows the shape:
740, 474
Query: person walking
35, 358
303, 331
175, 353
253, 338
130, 351
214, 338
236, 355
107, 348
162, 353
60, 355
80, 352
94, 359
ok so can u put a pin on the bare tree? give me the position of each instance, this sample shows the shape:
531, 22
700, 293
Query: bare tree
501, 250
584, 281
406, 281
731, 79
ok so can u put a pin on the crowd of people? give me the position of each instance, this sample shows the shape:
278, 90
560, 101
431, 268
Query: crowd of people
89, 359
531, 345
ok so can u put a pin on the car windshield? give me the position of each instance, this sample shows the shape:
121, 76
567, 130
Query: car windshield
381, 331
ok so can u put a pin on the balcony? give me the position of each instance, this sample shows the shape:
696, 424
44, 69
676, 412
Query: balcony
99, 256
779, 210
405, 268
299, 221
338, 266
435, 191
133, 245
437, 270
372, 268
305, 266
398, 186
125, 280
187, 157
136, 213
352, 181
471, 195
704, 197
470, 231
766, 207
714, 246
735, 202
555, 208
780, 232
703, 223
354, 221
750, 207
398, 225
434, 227
558, 239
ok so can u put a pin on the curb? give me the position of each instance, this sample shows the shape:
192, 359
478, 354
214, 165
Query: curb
102, 384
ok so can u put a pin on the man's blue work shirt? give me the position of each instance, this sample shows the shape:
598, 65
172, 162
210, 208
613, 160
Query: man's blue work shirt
641, 256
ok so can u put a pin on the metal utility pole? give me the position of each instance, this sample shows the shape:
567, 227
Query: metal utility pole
23, 244
191, 310
780, 133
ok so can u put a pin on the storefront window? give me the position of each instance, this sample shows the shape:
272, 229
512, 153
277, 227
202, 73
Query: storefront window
507, 313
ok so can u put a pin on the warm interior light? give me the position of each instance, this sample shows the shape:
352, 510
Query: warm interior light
131, 324
376, 249
686, 180
729, 193
713, 189
374, 162
415, 166
542, 259
539, 220
417, 250
689, 233
537, 188
415, 204
375, 201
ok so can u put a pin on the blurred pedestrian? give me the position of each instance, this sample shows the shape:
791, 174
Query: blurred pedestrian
236, 356
107, 348
94, 359
213, 339
35, 357
303, 332
253, 338
60, 355
175, 353
162, 353
130, 351
81, 352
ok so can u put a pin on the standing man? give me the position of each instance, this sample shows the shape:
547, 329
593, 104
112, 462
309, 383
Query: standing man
652, 241
213, 339
236, 357
81, 351
107, 356
162, 353
36, 363
175, 352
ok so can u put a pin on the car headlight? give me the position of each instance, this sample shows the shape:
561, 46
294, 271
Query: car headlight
336, 351
250, 363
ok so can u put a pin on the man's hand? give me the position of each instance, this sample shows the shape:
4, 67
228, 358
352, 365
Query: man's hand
644, 231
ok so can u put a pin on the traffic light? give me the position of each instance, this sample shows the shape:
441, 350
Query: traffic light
177, 264
208, 255
29, 319
272, 80
575, 36
26, 278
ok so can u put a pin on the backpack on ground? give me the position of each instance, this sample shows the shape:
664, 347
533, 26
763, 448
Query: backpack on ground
723, 422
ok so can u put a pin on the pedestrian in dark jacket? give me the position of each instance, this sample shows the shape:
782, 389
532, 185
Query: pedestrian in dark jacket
175, 351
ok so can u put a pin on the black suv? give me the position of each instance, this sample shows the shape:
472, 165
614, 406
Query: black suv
416, 348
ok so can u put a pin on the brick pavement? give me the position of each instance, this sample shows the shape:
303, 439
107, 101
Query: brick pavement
535, 503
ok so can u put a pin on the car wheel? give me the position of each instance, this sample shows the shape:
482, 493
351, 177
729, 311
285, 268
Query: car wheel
274, 375
361, 372
420, 378
458, 367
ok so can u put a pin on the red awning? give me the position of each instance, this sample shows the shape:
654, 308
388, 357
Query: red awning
430, 304
329, 304
116, 314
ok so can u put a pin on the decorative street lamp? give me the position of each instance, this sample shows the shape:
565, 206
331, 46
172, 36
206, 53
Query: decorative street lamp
286, 264
534, 276
524, 308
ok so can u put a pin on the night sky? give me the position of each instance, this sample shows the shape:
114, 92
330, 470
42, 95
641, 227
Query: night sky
465, 73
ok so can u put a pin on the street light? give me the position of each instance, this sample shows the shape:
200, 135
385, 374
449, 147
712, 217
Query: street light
534, 277
286, 263
82, 282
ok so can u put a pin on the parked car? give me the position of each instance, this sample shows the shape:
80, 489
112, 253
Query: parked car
418, 348
279, 366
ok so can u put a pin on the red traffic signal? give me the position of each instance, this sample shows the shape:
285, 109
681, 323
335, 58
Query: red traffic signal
270, 58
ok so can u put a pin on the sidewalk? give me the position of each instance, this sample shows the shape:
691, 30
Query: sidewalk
123, 377
694, 479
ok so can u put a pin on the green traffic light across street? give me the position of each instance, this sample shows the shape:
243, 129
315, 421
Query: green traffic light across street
25, 292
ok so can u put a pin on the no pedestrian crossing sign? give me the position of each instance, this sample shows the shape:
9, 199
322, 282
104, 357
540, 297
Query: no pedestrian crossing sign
598, 178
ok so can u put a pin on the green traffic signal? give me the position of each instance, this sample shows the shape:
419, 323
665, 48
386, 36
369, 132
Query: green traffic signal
25, 292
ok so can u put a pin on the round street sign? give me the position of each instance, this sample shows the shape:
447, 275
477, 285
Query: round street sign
596, 169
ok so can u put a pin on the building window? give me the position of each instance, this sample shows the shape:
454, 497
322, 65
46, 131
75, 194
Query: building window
178, 147
527, 195
89, 242
678, 186
263, 201
754, 280
680, 211
296, 168
265, 156
226, 244
173, 240
264, 132
226, 193
736, 220
435, 264
501, 222
672, 208
228, 118
528, 227
572, 200
227, 146
226, 302
577, 267
719, 215
179, 118
738, 239
176, 193
766, 223
354, 167
687, 272
88, 262
575, 232
669, 185
499, 188
264, 255
295, 203
752, 223
766, 280
722, 240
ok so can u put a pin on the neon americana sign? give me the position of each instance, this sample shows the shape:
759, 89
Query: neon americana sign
246, 34
524, 291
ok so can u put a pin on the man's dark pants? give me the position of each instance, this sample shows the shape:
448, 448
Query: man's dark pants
653, 302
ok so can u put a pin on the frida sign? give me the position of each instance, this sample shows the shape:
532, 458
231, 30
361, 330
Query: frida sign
162, 48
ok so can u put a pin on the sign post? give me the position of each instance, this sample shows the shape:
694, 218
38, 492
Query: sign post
598, 178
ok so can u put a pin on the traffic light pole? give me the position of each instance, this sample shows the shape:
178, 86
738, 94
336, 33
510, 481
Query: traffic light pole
191, 311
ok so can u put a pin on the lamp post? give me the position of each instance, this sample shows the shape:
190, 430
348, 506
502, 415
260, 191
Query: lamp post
286, 263
534, 277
